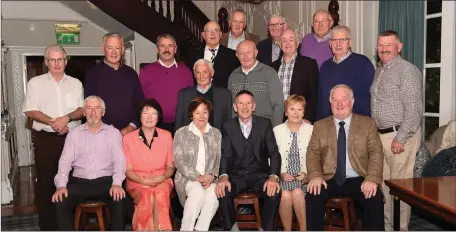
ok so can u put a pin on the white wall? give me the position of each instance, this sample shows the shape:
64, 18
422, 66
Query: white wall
208, 8
145, 51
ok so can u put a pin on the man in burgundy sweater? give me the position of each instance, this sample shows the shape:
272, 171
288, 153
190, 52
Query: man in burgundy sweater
163, 79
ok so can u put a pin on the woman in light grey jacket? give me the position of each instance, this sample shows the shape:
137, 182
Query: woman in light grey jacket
292, 138
197, 152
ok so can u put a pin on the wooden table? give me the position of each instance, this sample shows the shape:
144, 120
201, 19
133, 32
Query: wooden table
434, 194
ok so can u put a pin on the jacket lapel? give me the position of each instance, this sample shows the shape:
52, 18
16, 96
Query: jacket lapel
332, 136
215, 106
354, 124
237, 138
294, 80
255, 138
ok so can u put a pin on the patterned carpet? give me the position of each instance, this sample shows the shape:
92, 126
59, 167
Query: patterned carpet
30, 223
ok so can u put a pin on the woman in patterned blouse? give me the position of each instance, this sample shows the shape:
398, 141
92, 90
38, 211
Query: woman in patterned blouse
292, 138
149, 156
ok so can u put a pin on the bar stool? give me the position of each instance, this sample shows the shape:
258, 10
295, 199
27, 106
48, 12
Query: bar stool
248, 221
347, 207
96, 207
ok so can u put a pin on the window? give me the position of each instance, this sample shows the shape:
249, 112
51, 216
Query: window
432, 66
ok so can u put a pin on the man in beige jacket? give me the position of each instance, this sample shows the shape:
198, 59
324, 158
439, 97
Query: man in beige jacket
345, 156
237, 31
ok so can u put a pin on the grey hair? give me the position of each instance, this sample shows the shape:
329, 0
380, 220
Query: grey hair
93, 97
278, 15
167, 36
113, 35
203, 61
211, 22
295, 35
344, 86
341, 28
54, 48
239, 10
322, 11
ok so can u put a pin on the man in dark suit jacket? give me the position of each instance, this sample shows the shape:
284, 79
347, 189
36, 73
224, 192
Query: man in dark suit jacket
269, 49
248, 145
223, 58
237, 31
345, 155
303, 78
219, 97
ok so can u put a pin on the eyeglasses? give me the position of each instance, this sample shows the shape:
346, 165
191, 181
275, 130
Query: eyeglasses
59, 60
275, 25
212, 30
339, 40
317, 22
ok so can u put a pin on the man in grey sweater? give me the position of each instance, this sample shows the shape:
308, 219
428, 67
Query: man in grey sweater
261, 80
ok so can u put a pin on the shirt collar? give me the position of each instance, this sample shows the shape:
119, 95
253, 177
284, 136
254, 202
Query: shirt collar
246, 72
85, 126
391, 62
343, 58
110, 65
216, 49
194, 129
64, 76
249, 123
142, 136
199, 89
164, 65
326, 37
347, 121
292, 60
242, 37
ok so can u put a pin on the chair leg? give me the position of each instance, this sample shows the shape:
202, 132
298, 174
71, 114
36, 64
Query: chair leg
107, 215
353, 220
100, 219
256, 206
346, 217
77, 218
173, 218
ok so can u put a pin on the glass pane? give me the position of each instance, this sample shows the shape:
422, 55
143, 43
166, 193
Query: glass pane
434, 7
432, 90
433, 40
430, 125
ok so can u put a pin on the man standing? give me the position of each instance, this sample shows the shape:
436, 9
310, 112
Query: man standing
346, 67
397, 107
269, 49
53, 101
237, 32
163, 79
298, 74
94, 152
223, 58
259, 79
316, 44
250, 161
117, 84
345, 156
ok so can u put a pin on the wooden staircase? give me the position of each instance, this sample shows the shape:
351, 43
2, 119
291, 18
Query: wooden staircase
150, 18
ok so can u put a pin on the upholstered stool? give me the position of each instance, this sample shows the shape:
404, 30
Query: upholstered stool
96, 207
348, 220
248, 221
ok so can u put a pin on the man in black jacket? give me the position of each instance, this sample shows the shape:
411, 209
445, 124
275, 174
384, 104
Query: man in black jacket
223, 58
250, 162
269, 49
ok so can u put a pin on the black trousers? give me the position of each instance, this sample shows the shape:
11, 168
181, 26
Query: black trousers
80, 190
47, 149
252, 182
371, 208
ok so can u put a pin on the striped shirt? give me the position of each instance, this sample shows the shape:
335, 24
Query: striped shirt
397, 98
343, 57
285, 73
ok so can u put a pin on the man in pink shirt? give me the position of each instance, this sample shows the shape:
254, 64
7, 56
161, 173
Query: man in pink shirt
94, 152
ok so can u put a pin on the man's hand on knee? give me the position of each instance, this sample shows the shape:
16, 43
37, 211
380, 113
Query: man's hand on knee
369, 189
117, 192
271, 186
221, 185
58, 195
315, 184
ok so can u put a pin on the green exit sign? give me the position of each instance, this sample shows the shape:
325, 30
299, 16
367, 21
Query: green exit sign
68, 33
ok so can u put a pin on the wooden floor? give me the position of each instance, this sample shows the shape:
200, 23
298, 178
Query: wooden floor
24, 193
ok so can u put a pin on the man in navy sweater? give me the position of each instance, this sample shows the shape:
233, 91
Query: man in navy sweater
346, 67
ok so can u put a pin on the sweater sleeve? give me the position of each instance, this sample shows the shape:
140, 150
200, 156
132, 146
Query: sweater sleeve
138, 98
90, 83
364, 97
276, 97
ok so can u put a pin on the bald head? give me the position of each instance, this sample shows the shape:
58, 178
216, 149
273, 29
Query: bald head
247, 52
212, 34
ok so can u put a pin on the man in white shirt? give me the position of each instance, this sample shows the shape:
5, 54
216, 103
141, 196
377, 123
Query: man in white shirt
223, 58
53, 101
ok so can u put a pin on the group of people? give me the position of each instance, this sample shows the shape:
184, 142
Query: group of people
275, 117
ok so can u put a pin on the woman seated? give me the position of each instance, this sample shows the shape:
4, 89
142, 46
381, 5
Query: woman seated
197, 152
149, 158
292, 139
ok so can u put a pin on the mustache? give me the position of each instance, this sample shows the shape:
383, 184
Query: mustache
385, 52
169, 53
